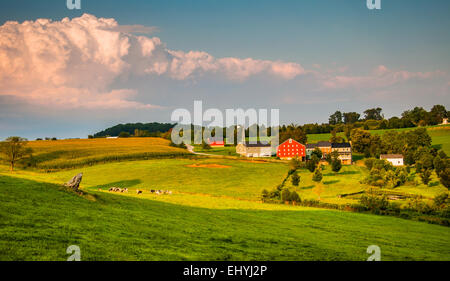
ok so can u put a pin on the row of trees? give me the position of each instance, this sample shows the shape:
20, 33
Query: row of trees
410, 118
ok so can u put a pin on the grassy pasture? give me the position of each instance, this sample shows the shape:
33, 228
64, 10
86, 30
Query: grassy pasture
38, 221
64, 154
237, 178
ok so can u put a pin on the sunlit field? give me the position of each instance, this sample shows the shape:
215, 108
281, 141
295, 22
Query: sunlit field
39, 220
214, 211
63, 154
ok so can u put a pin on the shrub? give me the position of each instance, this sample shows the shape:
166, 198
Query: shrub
336, 165
369, 162
124, 135
294, 197
285, 195
441, 201
295, 179
425, 175
373, 202
205, 146
295, 163
311, 166
444, 177
264, 193
317, 177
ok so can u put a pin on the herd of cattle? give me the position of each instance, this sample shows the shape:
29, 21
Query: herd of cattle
125, 190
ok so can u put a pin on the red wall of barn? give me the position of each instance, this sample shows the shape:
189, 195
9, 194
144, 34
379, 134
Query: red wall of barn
290, 150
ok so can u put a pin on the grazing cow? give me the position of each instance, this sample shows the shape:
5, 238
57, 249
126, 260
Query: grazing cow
152, 191
138, 191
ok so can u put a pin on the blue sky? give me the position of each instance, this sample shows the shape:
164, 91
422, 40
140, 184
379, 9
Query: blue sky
343, 43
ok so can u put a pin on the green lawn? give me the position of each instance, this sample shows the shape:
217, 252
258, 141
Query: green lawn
38, 221
242, 179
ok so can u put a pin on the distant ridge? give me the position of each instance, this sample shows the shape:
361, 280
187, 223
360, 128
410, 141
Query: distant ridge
130, 127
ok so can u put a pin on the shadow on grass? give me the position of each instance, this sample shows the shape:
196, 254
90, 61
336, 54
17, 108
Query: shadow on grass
332, 174
122, 184
437, 146
432, 184
331, 182
307, 187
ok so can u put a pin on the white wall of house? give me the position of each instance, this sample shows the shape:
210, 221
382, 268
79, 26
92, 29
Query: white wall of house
396, 161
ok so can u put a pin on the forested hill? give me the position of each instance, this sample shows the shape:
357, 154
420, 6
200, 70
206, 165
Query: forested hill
131, 127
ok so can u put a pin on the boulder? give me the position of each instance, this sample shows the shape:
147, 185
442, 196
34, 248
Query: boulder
74, 183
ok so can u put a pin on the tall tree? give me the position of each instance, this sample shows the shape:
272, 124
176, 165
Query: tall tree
335, 118
351, 117
373, 114
14, 149
294, 132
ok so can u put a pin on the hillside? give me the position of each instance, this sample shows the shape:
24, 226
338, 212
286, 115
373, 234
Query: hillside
38, 221
130, 127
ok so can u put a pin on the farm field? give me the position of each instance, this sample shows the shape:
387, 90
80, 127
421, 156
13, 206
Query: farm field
63, 154
214, 212
39, 221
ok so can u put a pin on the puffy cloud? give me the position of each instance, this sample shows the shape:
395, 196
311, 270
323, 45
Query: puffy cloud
74, 63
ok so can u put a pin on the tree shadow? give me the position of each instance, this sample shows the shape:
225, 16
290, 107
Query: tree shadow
433, 184
307, 187
121, 184
331, 182
437, 146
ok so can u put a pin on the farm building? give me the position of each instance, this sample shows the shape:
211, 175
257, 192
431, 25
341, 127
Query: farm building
345, 152
324, 146
395, 159
291, 149
445, 121
254, 150
216, 142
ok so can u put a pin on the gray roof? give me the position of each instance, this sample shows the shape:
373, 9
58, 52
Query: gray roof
319, 144
258, 144
390, 156
341, 145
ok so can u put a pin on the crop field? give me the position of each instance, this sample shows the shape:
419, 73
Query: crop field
63, 154
214, 212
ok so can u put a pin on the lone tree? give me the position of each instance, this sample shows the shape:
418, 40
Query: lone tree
295, 179
317, 177
14, 149
426, 176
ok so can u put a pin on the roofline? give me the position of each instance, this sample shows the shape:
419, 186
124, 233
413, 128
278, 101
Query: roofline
293, 140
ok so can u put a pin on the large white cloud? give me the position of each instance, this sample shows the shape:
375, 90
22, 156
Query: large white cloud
74, 63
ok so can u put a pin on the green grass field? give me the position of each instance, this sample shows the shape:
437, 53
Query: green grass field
214, 213
40, 220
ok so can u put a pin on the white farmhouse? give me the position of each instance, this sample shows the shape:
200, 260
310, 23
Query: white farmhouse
395, 159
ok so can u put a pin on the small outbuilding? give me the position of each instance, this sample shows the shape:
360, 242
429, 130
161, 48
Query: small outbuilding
254, 150
395, 159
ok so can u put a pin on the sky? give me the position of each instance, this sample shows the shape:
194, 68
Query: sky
69, 73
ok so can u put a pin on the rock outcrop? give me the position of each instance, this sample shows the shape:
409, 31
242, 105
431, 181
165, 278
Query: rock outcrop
74, 183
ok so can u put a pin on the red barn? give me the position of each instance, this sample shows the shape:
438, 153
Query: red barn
291, 149
216, 142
